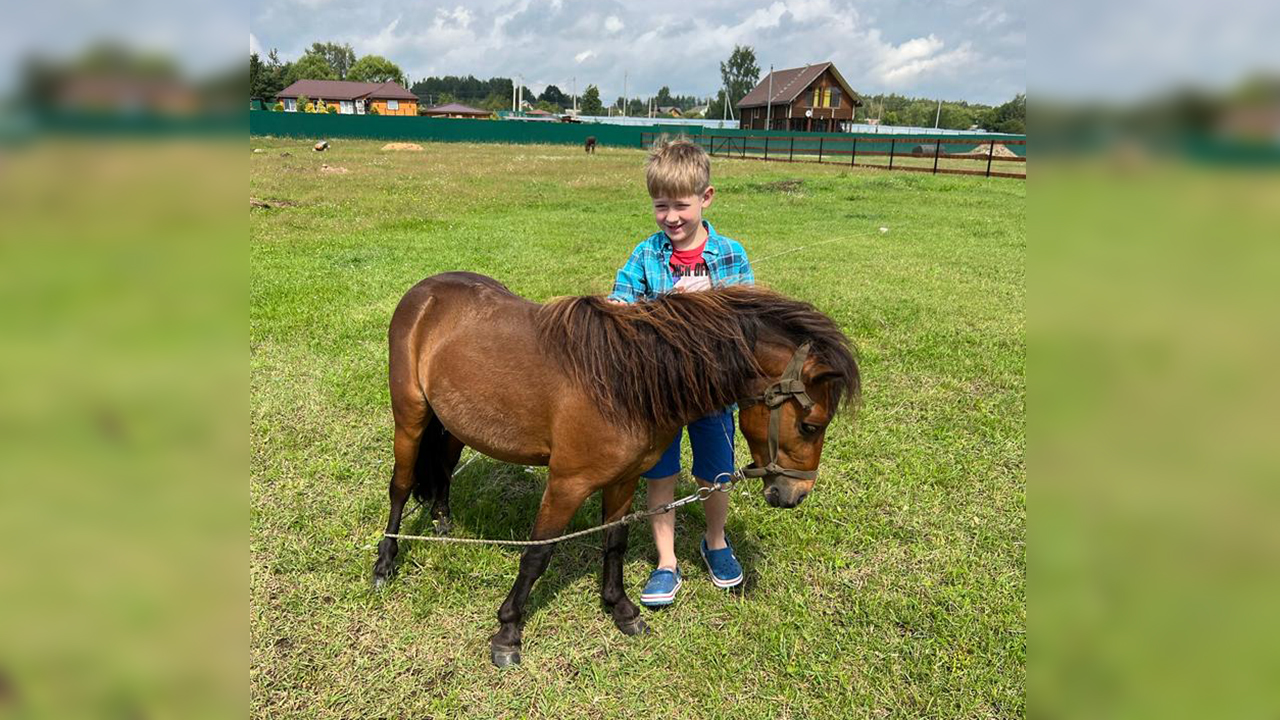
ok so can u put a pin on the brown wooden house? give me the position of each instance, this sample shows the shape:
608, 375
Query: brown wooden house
352, 98
813, 98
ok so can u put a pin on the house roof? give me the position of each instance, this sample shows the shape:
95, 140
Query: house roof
346, 90
455, 109
789, 83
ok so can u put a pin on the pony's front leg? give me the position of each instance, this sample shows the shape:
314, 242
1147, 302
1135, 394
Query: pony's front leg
560, 501
616, 503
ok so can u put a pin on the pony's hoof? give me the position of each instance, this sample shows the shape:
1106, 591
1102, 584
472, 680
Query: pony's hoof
504, 657
444, 526
380, 581
635, 626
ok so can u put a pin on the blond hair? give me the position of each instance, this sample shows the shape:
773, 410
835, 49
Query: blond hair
677, 168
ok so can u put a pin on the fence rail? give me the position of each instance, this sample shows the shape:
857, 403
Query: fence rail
972, 156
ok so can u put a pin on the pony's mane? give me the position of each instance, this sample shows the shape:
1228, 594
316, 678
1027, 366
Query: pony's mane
684, 355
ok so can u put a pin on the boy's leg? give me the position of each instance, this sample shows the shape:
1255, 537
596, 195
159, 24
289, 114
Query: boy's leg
661, 492
717, 509
712, 441
661, 480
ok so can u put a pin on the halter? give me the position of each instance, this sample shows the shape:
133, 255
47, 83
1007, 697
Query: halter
788, 386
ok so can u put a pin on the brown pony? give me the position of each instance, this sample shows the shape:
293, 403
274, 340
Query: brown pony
596, 391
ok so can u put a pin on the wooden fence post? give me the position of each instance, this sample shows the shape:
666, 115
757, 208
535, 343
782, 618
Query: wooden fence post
853, 155
819, 149
991, 150
766, 147
791, 155
893, 143
937, 148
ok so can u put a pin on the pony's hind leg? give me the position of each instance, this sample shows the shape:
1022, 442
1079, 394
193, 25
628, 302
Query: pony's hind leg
403, 480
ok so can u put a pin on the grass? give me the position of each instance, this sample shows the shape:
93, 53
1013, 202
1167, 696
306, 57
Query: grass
897, 589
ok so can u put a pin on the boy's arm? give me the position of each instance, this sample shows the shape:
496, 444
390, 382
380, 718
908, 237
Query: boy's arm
630, 285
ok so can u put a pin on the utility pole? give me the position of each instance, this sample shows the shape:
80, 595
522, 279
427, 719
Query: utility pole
624, 93
937, 118
768, 113
513, 94
575, 94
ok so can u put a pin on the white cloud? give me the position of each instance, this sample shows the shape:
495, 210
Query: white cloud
922, 61
254, 47
972, 50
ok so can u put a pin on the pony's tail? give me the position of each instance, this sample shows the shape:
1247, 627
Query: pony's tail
428, 470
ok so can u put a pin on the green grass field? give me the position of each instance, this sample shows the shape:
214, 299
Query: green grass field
897, 590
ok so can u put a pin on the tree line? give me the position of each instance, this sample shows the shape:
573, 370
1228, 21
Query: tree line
323, 61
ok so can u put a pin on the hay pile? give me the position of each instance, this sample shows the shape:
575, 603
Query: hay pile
982, 150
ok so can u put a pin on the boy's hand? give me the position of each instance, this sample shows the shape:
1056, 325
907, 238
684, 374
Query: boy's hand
693, 284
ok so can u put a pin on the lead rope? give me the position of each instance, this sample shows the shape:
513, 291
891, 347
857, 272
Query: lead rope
699, 495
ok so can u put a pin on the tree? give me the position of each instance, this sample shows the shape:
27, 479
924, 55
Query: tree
375, 68
340, 57
591, 101
554, 96
664, 98
255, 74
1010, 117
740, 74
496, 101
310, 67
715, 108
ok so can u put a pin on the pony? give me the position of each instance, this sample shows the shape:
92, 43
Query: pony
596, 391
590, 144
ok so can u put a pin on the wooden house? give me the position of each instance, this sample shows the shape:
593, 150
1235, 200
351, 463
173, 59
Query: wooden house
352, 98
813, 98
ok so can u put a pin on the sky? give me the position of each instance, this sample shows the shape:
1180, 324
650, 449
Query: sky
957, 50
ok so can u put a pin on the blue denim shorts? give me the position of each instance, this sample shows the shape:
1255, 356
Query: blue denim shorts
712, 441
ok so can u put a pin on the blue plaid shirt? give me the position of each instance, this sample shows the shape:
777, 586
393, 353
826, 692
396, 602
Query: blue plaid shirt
647, 273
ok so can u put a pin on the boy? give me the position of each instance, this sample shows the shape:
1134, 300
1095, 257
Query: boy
686, 255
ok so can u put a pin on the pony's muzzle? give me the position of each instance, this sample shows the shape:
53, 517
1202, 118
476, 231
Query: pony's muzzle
785, 495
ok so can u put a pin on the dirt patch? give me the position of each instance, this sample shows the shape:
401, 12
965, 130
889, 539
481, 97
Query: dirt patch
415, 147
782, 186
333, 170
270, 203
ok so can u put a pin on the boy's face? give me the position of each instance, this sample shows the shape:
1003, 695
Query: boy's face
680, 217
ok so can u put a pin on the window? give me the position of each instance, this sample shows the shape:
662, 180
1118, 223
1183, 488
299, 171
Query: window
359, 107
826, 98
393, 104
817, 96
346, 107
290, 104
835, 97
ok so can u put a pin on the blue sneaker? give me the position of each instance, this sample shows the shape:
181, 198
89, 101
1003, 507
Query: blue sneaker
661, 589
723, 565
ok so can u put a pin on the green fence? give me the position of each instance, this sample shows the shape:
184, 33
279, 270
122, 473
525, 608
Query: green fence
989, 155
311, 125
379, 127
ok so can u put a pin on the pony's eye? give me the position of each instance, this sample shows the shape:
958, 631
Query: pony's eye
808, 429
